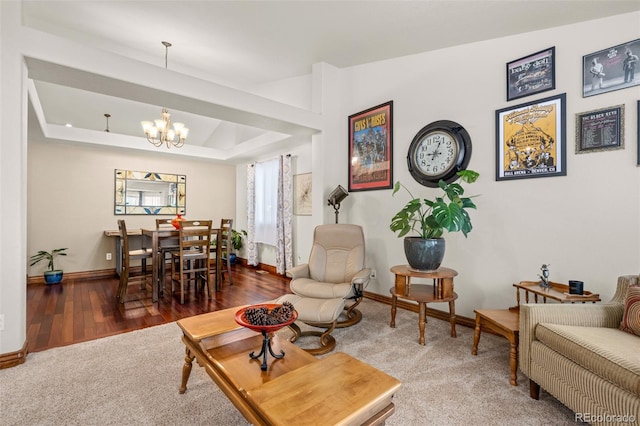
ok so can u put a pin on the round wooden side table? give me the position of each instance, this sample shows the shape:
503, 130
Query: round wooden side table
441, 291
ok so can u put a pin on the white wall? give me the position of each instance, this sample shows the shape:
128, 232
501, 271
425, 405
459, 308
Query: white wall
71, 196
585, 225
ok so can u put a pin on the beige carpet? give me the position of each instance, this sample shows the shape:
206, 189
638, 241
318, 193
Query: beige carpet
133, 379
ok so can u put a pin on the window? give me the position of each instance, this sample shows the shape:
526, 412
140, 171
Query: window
266, 201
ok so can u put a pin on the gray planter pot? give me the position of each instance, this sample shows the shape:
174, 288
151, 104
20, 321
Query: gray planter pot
424, 255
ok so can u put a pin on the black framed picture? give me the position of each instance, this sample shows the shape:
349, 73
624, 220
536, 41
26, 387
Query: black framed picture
531, 74
600, 130
613, 68
531, 139
371, 148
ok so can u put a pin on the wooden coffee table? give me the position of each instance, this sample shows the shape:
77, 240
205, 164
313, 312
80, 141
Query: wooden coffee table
291, 387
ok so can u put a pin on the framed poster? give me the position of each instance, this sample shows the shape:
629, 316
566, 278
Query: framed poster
531, 139
600, 130
302, 194
371, 148
611, 69
531, 74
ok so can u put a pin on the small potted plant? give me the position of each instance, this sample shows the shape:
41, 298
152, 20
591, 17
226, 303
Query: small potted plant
52, 275
236, 242
429, 218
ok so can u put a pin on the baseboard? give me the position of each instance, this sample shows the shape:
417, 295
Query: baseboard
99, 274
402, 304
14, 358
259, 267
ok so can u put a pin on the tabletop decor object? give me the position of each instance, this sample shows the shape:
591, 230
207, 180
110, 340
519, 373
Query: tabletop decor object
544, 278
266, 318
176, 221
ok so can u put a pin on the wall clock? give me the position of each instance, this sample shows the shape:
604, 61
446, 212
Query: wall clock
438, 151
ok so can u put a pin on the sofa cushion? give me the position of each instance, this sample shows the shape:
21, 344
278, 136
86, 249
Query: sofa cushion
610, 353
631, 317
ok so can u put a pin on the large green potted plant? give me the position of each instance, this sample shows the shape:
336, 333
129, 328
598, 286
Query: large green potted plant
51, 275
429, 218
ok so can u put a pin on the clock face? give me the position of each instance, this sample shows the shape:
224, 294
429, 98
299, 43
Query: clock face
438, 152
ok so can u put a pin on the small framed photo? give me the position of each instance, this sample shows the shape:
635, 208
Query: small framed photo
302, 194
600, 130
371, 148
531, 74
531, 139
613, 68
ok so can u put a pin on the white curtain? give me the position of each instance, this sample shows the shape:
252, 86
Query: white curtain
267, 176
270, 205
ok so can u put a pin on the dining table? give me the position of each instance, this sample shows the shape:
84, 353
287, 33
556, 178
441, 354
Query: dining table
155, 236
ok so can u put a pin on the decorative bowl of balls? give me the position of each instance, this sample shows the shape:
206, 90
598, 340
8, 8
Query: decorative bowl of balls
266, 318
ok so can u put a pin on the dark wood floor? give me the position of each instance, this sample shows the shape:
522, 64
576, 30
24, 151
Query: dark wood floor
81, 310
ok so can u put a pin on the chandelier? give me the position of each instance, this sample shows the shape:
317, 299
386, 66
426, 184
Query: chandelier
159, 132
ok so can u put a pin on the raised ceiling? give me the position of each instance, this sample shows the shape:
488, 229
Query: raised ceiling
245, 44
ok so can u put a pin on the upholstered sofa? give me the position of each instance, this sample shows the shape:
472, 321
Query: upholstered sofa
579, 354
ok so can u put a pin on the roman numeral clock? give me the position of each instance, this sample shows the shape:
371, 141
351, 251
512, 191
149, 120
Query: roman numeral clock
438, 151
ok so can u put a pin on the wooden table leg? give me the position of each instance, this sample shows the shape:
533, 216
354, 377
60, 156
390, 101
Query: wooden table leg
394, 302
156, 256
422, 321
513, 358
452, 317
476, 336
186, 369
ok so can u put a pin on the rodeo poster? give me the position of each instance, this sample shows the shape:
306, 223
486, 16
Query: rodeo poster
531, 139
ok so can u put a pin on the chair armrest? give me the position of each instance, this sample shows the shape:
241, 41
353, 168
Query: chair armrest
602, 315
298, 271
361, 278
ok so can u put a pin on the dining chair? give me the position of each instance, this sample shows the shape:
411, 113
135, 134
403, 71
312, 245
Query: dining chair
222, 248
126, 277
165, 246
190, 263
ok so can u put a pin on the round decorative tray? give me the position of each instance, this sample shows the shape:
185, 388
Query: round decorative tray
242, 320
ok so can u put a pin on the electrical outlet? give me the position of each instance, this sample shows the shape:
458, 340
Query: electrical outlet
373, 273
1, 322
108, 256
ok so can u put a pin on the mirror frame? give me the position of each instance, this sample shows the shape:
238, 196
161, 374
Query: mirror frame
122, 177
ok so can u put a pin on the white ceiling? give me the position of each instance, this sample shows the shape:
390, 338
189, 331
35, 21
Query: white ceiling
243, 44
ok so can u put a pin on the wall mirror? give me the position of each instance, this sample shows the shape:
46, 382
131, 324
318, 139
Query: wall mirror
149, 193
